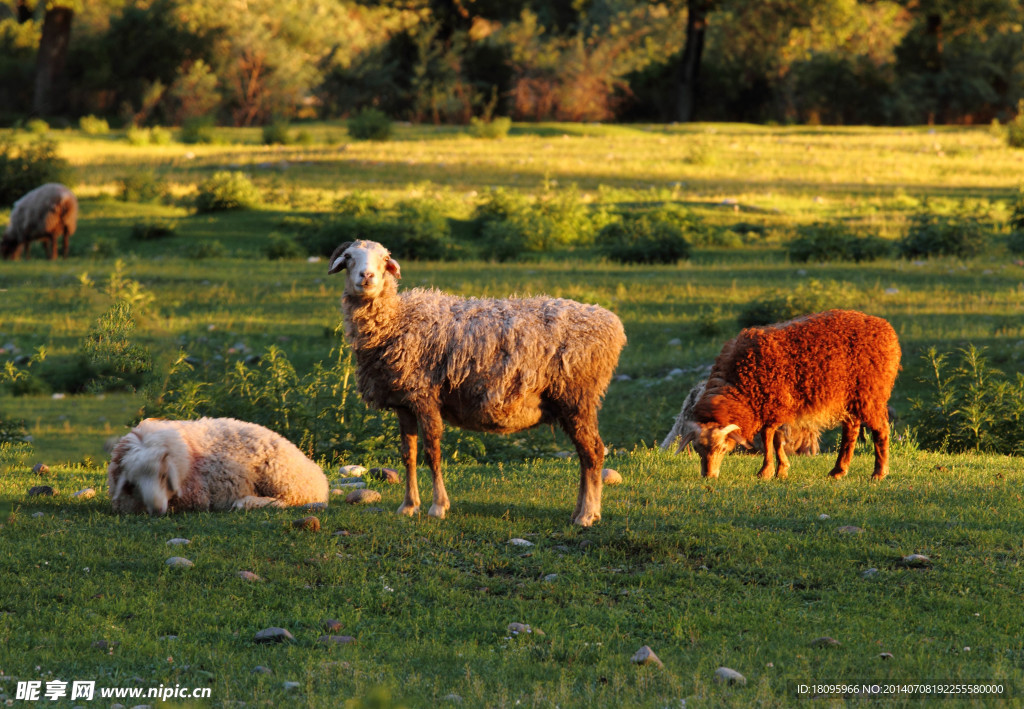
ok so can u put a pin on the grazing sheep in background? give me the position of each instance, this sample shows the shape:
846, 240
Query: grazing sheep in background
209, 464
797, 440
836, 367
46, 213
481, 364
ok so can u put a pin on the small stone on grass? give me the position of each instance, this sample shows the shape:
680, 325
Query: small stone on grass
336, 639
273, 635
646, 656
260, 669
517, 542
352, 470
86, 493
177, 541
610, 477
362, 497
40, 468
388, 475
179, 562
726, 675
849, 529
916, 561
309, 523
249, 576
825, 641
869, 573
41, 491
332, 625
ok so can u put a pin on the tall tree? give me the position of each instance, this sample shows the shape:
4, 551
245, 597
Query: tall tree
50, 90
687, 69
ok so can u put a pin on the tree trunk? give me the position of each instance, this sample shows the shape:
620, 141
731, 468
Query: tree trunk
24, 12
688, 68
50, 96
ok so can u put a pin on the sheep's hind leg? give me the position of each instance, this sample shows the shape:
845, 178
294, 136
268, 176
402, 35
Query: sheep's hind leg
880, 436
780, 452
847, 443
254, 502
768, 438
583, 432
407, 427
433, 427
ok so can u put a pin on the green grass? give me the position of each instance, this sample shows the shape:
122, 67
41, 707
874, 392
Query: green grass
734, 572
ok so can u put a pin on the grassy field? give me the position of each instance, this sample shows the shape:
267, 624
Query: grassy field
735, 572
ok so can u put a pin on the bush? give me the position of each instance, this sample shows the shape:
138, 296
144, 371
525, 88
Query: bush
142, 186
508, 225
115, 363
414, 229
1017, 211
276, 133
23, 168
225, 191
493, 129
37, 126
929, 235
359, 204
835, 242
199, 250
280, 247
1015, 242
91, 125
651, 237
154, 229
137, 136
780, 305
369, 124
198, 130
973, 408
159, 136
1015, 128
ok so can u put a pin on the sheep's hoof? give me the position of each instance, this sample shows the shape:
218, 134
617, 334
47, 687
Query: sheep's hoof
586, 519
837, 473
437, 511
879, 475
408, 510
783, 472
764, 474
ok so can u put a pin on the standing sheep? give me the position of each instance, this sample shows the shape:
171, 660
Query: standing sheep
46, 213
209, 464
835, 367
797, 440
480, 364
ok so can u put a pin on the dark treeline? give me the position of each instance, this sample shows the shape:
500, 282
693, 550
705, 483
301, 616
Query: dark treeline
247, 62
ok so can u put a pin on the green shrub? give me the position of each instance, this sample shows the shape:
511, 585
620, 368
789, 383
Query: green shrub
304, 137
279, 247
652, 237
114, 362
276, 132
142, 186
930, 234
159, 136
1015, 128
198, 130
153, 229
209, 248
974, 407
508, 225
493, 129
103, 247
91, 125
226, 190
25, 167
137, 136
1017, 211
369, 124
1015, 242
37, 126
359, 204
835, 242
784, 304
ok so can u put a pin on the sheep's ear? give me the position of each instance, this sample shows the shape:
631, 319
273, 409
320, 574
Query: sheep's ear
393, 267
338, 263
171, 471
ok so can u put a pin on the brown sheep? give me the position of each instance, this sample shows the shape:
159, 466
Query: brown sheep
478, 363
818, 371
46, 214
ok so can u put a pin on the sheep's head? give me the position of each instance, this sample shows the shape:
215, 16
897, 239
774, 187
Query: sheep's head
149, 474
712, 442
367, 264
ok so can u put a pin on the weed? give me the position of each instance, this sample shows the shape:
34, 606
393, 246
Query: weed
784, 304
834, 241
91, 125
493, 129
198, 130
226, 190
142, 186
369, 124
934, 235
25, 167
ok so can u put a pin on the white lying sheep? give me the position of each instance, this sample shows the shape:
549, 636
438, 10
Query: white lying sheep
46, 213
483, 364
209, 464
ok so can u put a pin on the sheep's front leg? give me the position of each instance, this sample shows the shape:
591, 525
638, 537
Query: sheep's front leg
780, 453
847, 443
407, 428
768, 438
433, 427
583, 432
52, 244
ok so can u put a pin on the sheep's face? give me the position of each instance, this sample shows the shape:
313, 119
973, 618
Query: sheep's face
712, 442
149, 481
366, 263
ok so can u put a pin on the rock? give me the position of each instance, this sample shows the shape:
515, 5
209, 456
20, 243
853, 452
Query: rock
646, 656
260, 669
86, 493
362, 497
586, 544
178, 541
168, 637
249, 576
350, 482
41, 491
517, 542
352, 470
869, 573
336, 639
518, 628
725, 675
291, 686
610, 477
388, 475
453, 697
38, 514
273, 635
551, 578
41, 469
332, 625
563, 454
825, 641
314, 506
675, 342
309, 523
823, 517
916, 561
105, 646
849, 529
179, 562
885, 655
